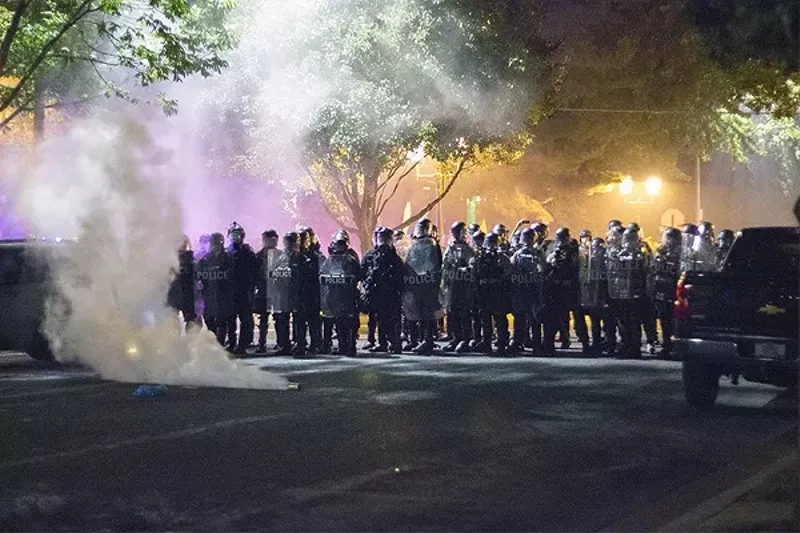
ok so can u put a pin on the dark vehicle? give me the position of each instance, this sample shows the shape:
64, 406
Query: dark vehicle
25, 286
741, 320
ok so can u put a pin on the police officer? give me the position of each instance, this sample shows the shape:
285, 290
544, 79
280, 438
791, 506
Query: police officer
339, 278
307, 322
688, 233
725, 240
542, 245
493, 274
594, 290
477, 239
181, 295
526, 288
383, 288
215, 272
284, 288
245, 268
662, 279
703, 255
372, 318
458, 288
328, 323
564, 289
648, 312
502, 238
613, 322
422, 281
626, 285
267, 258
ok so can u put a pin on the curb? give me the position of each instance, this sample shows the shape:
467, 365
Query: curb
685, 507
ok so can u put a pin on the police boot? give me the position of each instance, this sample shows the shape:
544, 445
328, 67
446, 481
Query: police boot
517, 347
483, 347
299, 351
379, 348
451, 346
283, 350
425, 348
463, 347
261, 349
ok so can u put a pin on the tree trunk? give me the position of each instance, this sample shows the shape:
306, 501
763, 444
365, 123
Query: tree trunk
38, 114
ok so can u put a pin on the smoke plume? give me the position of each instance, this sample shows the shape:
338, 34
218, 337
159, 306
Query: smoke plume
107, 183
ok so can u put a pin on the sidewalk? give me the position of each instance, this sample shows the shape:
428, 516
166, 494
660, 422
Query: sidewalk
767, 501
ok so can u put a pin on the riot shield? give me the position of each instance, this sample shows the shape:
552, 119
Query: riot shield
337, 286
626, 276
270, 262
593, 281
421, 280
526, 282
703, 256
663, 277
458, 278
284, 285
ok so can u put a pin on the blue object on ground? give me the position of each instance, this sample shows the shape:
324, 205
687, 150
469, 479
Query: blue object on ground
149, 391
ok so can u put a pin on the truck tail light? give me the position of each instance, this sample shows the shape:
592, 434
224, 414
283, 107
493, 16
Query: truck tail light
683, 291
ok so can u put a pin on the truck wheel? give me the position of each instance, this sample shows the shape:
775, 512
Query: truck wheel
700, 383
40, 348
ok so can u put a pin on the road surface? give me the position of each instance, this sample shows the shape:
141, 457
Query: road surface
402, 444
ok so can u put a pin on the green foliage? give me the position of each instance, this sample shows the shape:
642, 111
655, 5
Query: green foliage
151, 41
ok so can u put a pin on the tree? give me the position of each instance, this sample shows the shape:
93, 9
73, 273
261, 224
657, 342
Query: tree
334, 95
642, 84
151, 41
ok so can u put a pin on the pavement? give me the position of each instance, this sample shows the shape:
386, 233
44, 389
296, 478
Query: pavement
400, 443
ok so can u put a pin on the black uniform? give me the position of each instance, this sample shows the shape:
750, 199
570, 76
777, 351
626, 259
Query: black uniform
526, 293
339, 277
661, 282
372, 316
458, 283
422, 279
245, 271
216, 277
285, 291
626, 286
493, 274
181, 292
594, 291
383, 287
307, 320
267, 258
562, 294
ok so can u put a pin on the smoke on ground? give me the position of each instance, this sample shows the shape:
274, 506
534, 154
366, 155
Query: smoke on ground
107, 183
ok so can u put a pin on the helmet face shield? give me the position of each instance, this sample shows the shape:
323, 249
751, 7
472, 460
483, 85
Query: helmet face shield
458, 231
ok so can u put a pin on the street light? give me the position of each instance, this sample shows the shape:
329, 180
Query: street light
626, 186
653, 185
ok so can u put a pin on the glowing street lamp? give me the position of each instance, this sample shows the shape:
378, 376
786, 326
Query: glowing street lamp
653, 186
626, 186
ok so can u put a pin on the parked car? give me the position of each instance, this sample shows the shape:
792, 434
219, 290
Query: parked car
741, 321
25, 286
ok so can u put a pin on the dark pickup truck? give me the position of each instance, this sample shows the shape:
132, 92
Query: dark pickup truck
741, 321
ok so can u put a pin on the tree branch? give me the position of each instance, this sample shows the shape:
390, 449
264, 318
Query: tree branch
439, 198
80, 12
11, 31
336, 218
6, 121
394, 189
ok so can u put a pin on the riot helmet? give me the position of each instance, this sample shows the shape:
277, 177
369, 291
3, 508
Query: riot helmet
541, 231
478, 239
291, 242
725, 239
585, 237
563, 236
435, 231
236, 233
491, 242
269, 239
186, 244
399, 235
630, 240
217, 243
706, 231
634, 226
459, 231
500, 230
527, 237
340, 242
375, 233
385, 237
614, 224
473, 228
614, 238
671, 238
598, 246
304, 237
689, 229
422, 229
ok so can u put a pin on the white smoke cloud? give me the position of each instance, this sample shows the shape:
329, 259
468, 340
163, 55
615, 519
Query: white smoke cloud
108, 183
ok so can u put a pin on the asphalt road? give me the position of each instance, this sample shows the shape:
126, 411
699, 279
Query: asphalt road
402, 444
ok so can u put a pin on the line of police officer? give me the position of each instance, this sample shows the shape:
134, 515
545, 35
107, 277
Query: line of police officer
477, 282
